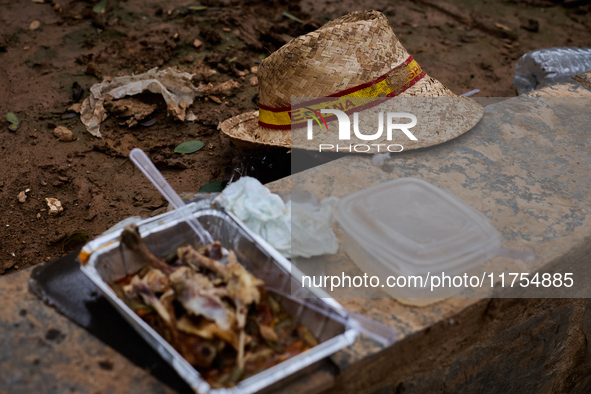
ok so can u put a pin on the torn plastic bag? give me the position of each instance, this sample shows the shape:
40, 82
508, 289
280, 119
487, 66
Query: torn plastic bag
175, 87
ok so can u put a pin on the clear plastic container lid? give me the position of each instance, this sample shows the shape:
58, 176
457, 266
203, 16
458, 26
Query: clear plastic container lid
415, 227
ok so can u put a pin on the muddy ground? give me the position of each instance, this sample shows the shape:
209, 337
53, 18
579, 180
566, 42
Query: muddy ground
465, 44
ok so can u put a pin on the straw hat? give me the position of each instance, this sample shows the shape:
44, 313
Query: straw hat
355, 55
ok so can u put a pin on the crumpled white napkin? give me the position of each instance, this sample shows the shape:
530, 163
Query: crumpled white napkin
294, 229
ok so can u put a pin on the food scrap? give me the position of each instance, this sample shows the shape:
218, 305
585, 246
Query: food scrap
218, 316
63, 134
54, 205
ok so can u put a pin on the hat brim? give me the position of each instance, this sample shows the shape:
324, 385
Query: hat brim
447, 122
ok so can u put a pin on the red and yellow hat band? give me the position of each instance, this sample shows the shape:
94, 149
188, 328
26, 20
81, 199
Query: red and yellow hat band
390, 84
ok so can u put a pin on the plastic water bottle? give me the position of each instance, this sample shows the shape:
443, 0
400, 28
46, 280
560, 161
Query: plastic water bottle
543, 67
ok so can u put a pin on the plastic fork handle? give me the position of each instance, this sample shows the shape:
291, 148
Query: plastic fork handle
470, 93
143, 162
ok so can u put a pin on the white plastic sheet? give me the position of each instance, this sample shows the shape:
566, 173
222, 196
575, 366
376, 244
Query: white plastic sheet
175, 87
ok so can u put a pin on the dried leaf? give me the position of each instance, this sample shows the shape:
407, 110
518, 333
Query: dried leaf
189, 147
13, 120
293, 18
99, 8
213, 187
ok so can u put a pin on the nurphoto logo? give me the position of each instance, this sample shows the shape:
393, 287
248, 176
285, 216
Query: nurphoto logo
344, 129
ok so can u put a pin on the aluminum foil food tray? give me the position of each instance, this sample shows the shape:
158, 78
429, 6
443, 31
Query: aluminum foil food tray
104, 260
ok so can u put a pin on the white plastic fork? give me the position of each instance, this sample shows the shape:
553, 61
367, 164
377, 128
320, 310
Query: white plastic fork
143, 162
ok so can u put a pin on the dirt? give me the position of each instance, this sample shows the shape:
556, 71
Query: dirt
48, 66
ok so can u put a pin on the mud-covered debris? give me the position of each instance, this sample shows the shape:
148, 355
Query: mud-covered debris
54, 205
63, 134
22, 196
531, 25
91, 69
77, 107
34, 25
77, 92
197, 43
131, 108
502, 27
203, 73
253, 81
215, 99
227, 88
510, 44
175, 87
468, 38
211, 36
187, 59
